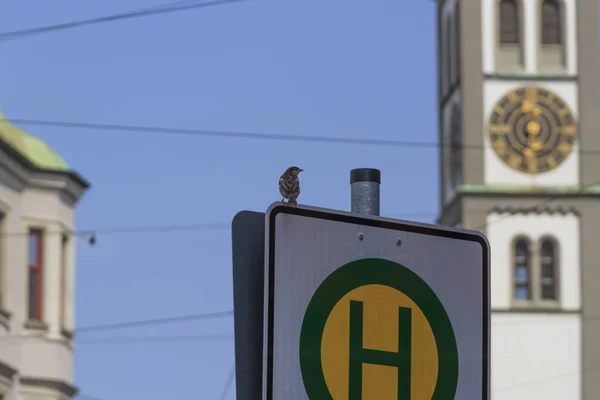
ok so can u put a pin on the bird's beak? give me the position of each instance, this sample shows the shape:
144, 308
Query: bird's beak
300, 170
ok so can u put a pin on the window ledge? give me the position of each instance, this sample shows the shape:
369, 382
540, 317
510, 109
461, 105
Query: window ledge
536, 305
560, 75
36, 325
536, 310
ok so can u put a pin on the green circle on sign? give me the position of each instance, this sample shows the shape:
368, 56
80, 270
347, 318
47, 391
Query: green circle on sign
374, 271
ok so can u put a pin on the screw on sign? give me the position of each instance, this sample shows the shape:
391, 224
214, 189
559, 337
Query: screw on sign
402, 314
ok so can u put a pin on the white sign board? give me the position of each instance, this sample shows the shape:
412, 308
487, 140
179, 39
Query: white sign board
369, 308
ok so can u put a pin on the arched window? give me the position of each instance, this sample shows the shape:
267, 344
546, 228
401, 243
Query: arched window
522, 269
549, 267
551, 22
509, 22
35, 266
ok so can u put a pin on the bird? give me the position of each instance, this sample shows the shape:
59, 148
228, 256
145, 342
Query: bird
289, 185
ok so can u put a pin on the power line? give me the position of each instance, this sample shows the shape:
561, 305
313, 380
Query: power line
221, 134
228, 383
155, 339
131, 339
129, 230
156, 228
195, 338
155, 321
194, 317
162, 228
114, 17
165, 5
255, 135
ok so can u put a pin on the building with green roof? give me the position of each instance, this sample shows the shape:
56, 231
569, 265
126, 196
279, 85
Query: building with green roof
38, 194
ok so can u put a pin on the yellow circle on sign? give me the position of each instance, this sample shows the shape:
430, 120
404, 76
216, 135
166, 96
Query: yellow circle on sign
380, 332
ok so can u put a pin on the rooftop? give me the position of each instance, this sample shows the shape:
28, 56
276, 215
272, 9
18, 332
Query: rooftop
31, 147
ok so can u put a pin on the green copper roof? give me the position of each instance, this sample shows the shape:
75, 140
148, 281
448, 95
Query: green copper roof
32, 148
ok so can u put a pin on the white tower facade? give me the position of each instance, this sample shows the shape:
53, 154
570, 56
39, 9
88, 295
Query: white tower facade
518, 98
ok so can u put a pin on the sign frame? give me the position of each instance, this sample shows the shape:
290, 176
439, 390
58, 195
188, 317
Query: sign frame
248, 262
376, 222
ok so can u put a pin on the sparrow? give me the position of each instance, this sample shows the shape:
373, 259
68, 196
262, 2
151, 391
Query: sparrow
289, 185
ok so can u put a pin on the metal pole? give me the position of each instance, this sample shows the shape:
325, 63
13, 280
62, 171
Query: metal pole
364, 187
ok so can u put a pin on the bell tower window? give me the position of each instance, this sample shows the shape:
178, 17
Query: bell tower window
536, 272
522, 269
551, 23
509, 48
548, 264
552, 48
509, 22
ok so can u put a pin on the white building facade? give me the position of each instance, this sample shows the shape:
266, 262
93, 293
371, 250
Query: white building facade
38, 193
518, 101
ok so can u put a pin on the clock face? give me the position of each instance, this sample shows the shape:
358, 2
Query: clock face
532, 130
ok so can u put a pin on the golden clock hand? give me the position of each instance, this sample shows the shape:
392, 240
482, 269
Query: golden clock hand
531, 96
533, 130
537, 145
526, 106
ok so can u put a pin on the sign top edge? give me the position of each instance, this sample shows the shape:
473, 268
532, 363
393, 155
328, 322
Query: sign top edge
377, 221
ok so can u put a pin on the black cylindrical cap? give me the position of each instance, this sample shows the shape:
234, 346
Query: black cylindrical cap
365, 175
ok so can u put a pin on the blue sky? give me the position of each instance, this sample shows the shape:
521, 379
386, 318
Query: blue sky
346, 69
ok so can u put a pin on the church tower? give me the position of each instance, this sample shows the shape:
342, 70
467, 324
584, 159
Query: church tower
518, 114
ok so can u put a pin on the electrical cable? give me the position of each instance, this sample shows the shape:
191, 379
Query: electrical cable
228, 383
167, 5
128, 230
155, 321
189, 318
155, 339
131, 339
255, 135
114, 17
160, 228
217, 337
222, 134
